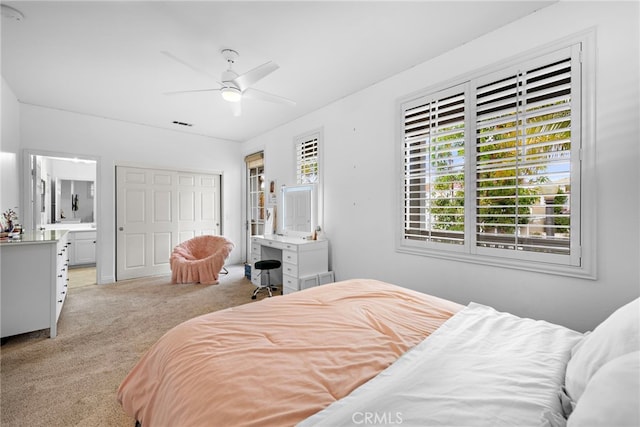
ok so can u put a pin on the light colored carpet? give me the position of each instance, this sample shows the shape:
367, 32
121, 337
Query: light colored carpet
72, 380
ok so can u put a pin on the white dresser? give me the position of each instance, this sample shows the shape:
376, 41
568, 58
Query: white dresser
33, 282
305, 263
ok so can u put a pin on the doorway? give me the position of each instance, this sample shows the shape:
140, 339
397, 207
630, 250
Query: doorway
255, 199
59, 192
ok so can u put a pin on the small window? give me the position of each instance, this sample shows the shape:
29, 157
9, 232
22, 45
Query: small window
307, 158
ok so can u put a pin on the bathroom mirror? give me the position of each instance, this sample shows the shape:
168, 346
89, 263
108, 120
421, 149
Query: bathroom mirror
60, 191
299, 210
75, 202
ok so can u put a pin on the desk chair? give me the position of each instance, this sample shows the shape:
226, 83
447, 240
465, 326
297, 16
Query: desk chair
265, 265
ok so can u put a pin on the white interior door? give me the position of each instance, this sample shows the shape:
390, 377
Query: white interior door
198, 205
155, 211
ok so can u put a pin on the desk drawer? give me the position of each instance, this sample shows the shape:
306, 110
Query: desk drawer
256, 277
255, 248
290, 257
287, 290
289, 269
273, 244
289, 247
255, 258
290, 282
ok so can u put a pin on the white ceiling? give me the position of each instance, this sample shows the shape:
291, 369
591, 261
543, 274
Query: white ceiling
104, 58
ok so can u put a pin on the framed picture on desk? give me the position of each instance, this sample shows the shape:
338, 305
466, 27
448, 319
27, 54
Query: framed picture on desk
269, 223
272, 200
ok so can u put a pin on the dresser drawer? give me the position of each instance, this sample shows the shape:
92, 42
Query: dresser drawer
61, 296
290, 257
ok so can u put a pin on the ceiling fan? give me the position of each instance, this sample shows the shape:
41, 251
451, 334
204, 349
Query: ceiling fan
234, 87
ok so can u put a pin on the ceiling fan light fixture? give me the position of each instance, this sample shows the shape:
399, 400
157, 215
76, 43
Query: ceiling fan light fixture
11, 14
231, 94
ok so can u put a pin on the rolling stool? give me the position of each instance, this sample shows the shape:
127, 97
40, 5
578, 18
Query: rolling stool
266, 265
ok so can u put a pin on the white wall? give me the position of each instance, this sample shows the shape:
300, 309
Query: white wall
360, 180
9, 150
68, 169
114, 142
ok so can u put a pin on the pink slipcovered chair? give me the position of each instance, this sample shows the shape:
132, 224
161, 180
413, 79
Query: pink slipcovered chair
199, 259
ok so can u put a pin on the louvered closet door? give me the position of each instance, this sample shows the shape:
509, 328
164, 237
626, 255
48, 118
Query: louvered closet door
155, 211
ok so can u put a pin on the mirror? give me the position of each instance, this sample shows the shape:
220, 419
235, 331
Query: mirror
74, 202
62, 191
299, 210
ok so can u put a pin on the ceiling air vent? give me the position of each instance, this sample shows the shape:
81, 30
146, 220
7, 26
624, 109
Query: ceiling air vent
175, 122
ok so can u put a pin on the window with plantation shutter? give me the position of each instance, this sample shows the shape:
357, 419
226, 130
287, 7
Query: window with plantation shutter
492, 167
307, 170
434, 169
523, 160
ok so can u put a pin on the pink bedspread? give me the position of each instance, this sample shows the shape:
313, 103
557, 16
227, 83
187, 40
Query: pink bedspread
280, 360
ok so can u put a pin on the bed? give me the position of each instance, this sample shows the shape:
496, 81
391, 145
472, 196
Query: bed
365, 352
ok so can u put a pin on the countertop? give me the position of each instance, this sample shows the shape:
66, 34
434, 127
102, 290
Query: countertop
71, 226
286, 239
36, 237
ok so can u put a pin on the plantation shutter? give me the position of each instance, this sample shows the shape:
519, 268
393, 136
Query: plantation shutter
307, 159
523, 158
434, 168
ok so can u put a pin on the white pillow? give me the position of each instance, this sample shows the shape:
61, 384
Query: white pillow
617, 335
611, 397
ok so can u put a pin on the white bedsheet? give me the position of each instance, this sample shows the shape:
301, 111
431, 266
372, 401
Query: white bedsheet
480, 368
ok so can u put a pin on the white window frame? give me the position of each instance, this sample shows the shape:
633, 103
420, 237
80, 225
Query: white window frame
317, 134
581, 262
302, 144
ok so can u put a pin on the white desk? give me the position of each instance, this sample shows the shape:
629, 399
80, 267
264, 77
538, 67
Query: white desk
305, 263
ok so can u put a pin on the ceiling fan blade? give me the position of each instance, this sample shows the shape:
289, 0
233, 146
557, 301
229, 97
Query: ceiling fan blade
178, 92
264, 96
236, 108
250, 77
186, 64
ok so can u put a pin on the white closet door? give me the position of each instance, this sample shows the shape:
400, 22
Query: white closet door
198, 205
155, 211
